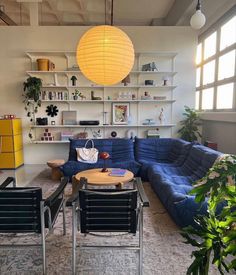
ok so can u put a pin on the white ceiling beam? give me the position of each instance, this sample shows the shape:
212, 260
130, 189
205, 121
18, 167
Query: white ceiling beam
34, 10
178, 11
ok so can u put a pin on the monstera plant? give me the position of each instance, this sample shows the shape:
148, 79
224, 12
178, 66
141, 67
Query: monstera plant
189, 130
215, 234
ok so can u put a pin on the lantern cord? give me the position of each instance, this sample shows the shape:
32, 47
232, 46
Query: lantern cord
105, 11
111, 12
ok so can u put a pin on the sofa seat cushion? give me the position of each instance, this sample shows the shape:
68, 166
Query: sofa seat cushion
71, 168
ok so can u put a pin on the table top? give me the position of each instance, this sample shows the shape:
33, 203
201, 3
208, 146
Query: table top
96, 177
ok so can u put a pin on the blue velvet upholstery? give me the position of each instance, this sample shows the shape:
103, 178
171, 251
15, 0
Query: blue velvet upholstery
121, 156
173, 183
170, 165
160, 150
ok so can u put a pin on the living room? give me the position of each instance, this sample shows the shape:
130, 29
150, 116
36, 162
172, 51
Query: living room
174, 63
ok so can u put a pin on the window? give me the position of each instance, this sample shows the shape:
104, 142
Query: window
210, 46
228, 34
225, 96
207, 99
226, 65
215, 73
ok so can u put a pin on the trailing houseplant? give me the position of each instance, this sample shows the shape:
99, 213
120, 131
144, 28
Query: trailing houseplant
31, 95
215, 235
189, 130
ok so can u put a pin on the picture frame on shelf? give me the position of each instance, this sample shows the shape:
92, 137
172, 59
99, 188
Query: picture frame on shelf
120, 113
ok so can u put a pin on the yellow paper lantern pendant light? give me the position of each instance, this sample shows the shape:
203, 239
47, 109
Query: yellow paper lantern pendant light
105, 55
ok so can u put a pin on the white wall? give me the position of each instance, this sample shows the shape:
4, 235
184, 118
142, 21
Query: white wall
15, 41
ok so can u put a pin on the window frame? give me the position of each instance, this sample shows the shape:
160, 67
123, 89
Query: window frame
216, 28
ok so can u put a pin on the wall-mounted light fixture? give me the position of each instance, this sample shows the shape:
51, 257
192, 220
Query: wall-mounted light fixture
198, 19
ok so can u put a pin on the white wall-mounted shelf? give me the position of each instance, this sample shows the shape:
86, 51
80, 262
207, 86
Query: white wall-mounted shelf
57, 85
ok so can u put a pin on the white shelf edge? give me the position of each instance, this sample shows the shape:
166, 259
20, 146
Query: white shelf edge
170, 73
51, 142
110, 87
107, 100
101, 126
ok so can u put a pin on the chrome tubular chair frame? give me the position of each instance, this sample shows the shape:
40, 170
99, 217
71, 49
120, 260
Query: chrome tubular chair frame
34, 213
78, 211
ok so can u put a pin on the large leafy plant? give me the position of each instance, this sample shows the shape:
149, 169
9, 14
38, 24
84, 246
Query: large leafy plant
215, 235
189, 130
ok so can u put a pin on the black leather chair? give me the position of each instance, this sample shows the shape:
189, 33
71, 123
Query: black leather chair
23, 210
109, 210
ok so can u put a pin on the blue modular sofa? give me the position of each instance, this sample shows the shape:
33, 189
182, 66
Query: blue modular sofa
170, 165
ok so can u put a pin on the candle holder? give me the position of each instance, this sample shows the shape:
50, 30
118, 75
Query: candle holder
104, 156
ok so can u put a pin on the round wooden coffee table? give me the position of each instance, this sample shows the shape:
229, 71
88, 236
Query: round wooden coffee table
96, 177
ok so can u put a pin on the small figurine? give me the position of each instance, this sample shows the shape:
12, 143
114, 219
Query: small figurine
162, 116
96, 134
126, 80
73, 79
165, 79
93, 97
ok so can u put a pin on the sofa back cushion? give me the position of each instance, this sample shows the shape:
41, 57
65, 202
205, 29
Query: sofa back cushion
119, 149
179, 151
200, 160
161, 149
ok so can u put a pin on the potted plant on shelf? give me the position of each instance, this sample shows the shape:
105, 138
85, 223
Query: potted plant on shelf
31, 96
189, 130
215, 235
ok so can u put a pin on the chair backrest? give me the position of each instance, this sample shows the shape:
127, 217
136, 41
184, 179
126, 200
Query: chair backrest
108, 210
20, 210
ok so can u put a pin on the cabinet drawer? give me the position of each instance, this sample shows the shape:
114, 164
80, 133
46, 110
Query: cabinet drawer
11, 160
10, 127
10, 143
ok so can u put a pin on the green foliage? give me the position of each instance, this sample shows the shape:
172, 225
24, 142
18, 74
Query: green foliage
215, 237
189, 130
31, 96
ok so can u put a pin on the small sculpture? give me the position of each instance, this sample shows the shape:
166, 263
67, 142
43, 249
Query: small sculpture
104, 156
162, 116
165, 79
52, 110
73, 79
95, 97
126, 80
96, 134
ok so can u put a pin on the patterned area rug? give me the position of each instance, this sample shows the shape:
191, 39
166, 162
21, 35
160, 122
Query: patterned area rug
164, 250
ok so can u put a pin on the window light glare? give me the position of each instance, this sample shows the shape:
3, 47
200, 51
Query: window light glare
228, 33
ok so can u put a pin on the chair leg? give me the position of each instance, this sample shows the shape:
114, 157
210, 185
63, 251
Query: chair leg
43, 238
74, 225
64, 218
141, 241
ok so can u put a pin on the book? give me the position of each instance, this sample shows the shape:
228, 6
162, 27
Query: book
117, 172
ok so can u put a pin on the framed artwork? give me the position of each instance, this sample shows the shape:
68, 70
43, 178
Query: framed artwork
120, 113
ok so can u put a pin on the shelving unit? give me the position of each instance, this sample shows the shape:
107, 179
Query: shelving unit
59, 81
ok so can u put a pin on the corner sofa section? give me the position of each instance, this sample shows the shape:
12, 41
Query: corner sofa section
172, 175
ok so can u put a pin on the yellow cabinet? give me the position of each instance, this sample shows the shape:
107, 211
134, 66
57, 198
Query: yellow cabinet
11, 144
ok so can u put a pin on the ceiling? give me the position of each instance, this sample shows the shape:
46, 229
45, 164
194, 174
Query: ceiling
97, 12
87, 12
